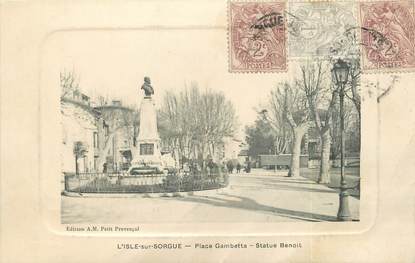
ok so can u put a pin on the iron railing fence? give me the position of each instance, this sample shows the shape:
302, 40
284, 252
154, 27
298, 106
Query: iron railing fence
123, 182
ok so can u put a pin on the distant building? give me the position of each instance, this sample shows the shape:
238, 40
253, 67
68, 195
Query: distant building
79, 125
231, 148
117, 136
226, 150
243, 155
108, 134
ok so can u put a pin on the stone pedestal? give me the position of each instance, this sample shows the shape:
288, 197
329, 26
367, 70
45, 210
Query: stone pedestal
148, 143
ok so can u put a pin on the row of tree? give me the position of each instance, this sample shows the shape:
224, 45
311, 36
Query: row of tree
309, 100
192, 123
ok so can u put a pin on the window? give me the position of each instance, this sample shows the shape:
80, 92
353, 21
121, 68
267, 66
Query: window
86, 168
96, 163
106, 128
146, 149
96, 143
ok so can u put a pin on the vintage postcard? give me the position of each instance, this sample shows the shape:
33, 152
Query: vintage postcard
227, 128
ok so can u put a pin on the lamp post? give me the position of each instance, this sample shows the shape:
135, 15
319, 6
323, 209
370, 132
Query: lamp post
340, 74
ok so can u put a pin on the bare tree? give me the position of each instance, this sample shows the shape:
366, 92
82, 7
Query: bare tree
194, 122
355, 73
170, 124
69, 82
288, 106
335, 126
111, 122
281, 144
220, 119
281, 130
316, 87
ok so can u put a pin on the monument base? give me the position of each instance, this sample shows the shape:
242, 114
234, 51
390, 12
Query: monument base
147, 157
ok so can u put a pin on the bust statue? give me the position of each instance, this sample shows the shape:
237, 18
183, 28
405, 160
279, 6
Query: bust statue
148, 89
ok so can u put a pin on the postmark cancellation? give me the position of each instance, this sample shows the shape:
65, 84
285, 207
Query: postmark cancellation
315, 27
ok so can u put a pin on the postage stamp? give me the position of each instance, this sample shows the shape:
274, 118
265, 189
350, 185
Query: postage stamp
388, 35
315, 27
257, 37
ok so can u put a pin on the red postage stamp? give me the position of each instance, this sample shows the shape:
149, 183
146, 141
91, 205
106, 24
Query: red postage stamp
257, 40
388, 35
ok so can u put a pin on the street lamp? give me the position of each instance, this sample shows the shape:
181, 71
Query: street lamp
340, 74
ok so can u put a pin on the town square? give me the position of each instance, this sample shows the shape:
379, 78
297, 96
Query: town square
126, 165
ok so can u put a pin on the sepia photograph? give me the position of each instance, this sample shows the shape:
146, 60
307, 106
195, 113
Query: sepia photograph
147, 131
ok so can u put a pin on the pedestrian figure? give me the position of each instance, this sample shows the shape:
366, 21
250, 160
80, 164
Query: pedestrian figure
238, 168
230, 167
248, 168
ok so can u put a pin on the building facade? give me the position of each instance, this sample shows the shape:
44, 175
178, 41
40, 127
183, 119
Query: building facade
79, 127
96, 139
117, 136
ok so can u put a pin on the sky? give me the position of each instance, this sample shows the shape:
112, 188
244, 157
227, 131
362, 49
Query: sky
113, 63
